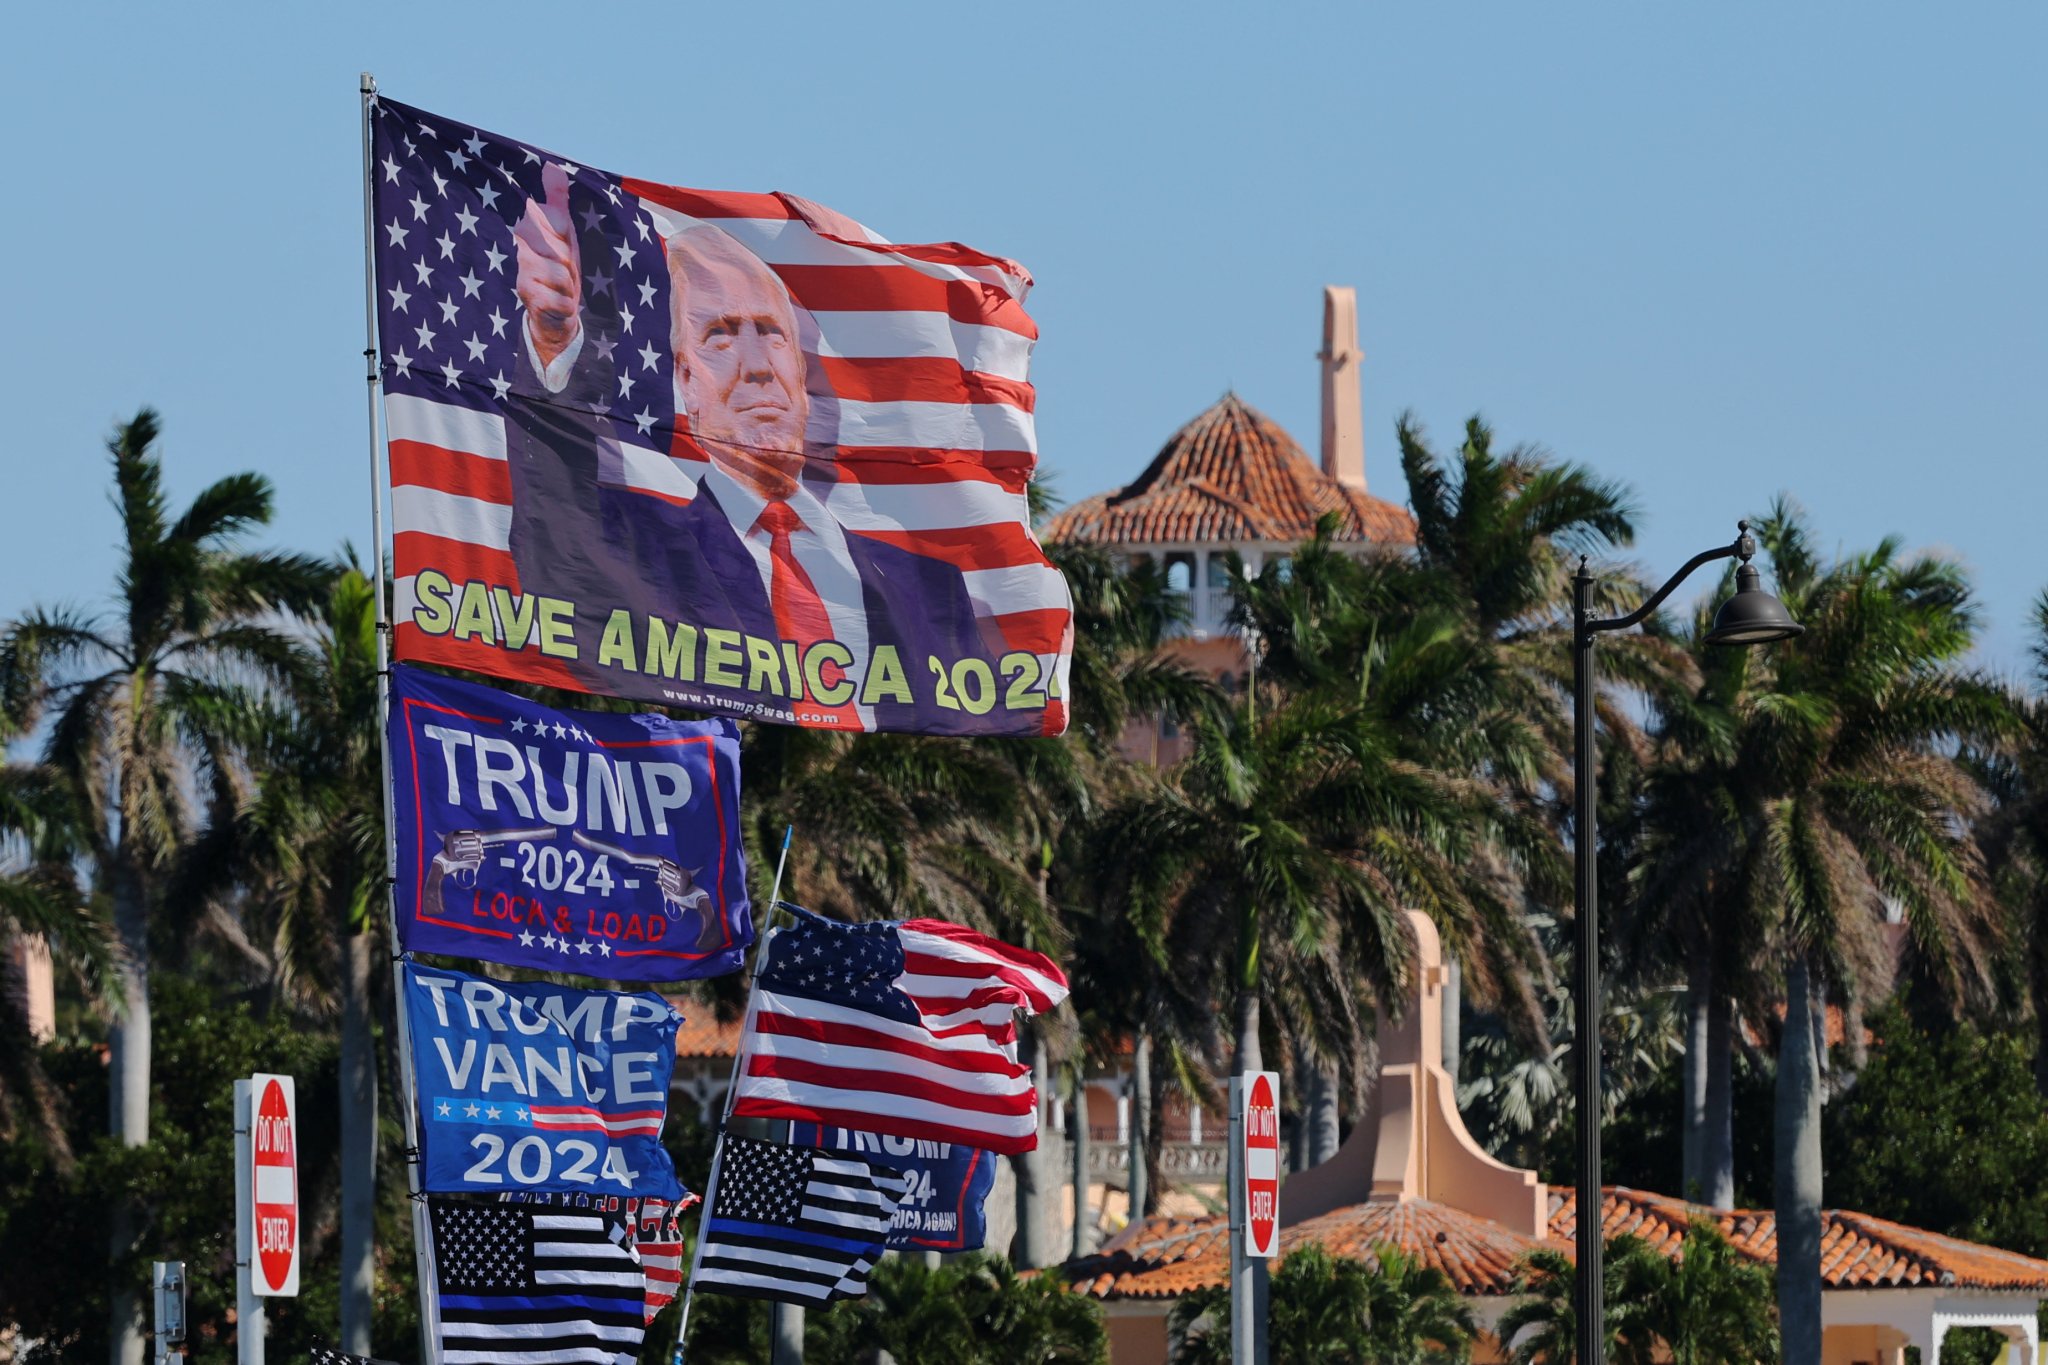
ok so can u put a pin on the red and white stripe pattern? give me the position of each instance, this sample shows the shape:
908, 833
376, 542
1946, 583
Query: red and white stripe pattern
922, 1046
658, 1237
920, 357
968, 983
560, 1118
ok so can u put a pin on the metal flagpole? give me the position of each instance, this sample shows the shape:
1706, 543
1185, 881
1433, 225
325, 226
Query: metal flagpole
732, 1090
422, 1227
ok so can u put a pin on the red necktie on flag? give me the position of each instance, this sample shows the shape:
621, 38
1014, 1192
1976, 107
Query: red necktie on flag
800, 613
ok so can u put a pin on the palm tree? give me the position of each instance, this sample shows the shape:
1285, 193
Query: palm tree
973, 1310
1317, 1314
1282, 851
41, 903
1716, 1304
1335, 1310
1498, 532
314, 841
1417, 1315
145, 704
1830, 801
1542, 1328
2014, 831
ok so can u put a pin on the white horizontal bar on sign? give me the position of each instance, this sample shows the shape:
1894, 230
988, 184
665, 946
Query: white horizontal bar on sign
1261, 1163
925, 506
1022, 587
429, 511
887, 336
407, 418
948, 426
276, 1185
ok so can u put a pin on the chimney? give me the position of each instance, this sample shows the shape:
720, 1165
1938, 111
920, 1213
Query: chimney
1343, 427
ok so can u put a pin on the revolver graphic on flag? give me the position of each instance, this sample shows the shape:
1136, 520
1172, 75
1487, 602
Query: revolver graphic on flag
679, 889
462, 850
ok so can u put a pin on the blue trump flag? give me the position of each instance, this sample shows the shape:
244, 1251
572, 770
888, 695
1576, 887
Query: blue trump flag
567, 841
947, 1184
528, 1086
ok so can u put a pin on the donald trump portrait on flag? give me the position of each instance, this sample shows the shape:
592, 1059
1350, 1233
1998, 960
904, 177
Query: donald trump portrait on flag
756, 548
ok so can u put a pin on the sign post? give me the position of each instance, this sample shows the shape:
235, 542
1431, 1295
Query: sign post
1254, 1208
168, 1279
266, 1204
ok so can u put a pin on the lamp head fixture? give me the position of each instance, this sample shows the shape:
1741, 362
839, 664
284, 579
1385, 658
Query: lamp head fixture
1752, 616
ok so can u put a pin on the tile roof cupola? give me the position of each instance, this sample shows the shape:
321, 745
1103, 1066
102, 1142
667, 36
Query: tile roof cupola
1233, 476
1233, 480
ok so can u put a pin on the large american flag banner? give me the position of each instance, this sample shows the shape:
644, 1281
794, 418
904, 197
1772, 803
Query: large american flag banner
728, 451
535, 1285
906, 1028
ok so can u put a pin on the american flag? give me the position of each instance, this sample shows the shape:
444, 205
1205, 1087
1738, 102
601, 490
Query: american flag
906, 1028
925, 350
534, 1284
795, 1223
654, 1225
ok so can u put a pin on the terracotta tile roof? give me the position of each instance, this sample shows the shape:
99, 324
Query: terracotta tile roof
1167, 1257
1857, 1251
702, 1034
1232, 474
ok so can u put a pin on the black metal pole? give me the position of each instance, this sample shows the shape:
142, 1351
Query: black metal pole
1587, 1296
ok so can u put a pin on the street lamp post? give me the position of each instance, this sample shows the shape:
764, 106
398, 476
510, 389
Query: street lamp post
1751, 617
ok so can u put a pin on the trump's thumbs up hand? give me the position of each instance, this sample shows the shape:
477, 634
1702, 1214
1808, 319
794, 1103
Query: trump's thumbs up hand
550, 266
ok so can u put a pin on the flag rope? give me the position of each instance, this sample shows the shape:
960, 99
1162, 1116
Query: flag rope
422, 1227
763, 932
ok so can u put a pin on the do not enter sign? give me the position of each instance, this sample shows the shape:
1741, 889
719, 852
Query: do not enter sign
1259, 1121
274, 1186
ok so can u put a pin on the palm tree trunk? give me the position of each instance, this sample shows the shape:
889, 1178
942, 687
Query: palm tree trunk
1246, 1058
1797, 1141
1717, 1146
128, 1101
1033, 1247
1322, 1112
1699, 989
1138, 1177
358, 1146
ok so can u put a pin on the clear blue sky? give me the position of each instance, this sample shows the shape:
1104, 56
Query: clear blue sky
1716, 251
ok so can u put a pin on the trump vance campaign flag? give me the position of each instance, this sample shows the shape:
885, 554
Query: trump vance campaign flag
905, 1028
537, 1285
527, 1085
727, 451
795, 1223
